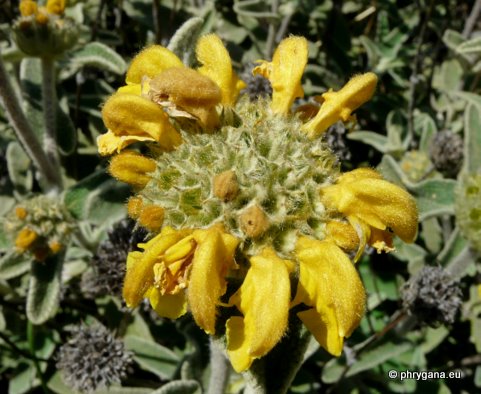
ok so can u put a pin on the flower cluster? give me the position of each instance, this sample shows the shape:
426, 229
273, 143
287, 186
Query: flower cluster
43, 31
245, 194
41, 226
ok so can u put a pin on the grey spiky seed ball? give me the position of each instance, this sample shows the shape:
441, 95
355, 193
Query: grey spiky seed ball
446, 152
108, 264
93, 359
433, 296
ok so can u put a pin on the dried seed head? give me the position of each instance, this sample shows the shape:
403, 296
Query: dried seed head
226, 186
93, 359
254, 222
433, 296
447, 152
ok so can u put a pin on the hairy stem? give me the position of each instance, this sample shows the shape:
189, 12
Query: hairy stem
24, 131
220, 369
50, 102
472, 19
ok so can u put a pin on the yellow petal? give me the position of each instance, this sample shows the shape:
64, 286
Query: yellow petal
171, 306
132, 168
379, 203
381, 241
28, 7
217, 65
109, 143
25, 239
133, 89
329, 282
55, 6
263, 299
323, 325
343, 234
151, 62
285, 73
130, 115
212, 257
339, 105
140, 266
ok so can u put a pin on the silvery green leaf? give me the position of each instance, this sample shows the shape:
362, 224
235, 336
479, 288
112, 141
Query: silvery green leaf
23, 381
448, 76
334, 369
376, 140
66, 132
472, 98
153, 357
472, 46
94, 54
184, 39
427, 129
455, 245
472, 138
453, 39
18, 165
44, 289
434, 197
31, 83
432, 234
13, 264
179, 387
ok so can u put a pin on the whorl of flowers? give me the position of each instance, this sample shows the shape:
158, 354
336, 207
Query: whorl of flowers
40, 226
235, 191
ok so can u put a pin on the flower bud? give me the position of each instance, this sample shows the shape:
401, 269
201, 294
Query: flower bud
254, 222
226, 186
132, 168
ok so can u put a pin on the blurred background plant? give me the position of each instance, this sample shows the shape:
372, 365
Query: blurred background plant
64, 235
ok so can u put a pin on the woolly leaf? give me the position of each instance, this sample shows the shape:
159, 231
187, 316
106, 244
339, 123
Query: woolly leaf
13, 264
387, 351
376, 140
453, 247
44, 289
153, 357
23, 381
18, 164
183, 41
94, 54
179, 387
453, 39
57, 385
472, 46
434, 197
31, 83
66, 132
472, 138
75, 197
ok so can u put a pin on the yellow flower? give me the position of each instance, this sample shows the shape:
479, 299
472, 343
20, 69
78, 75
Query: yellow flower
374, 207
131, 118
216, 65
25, 239
158, 85
28, 7
285, 73
55, 6
132, 168
329, 283
263, 299
339, 105
175, 260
